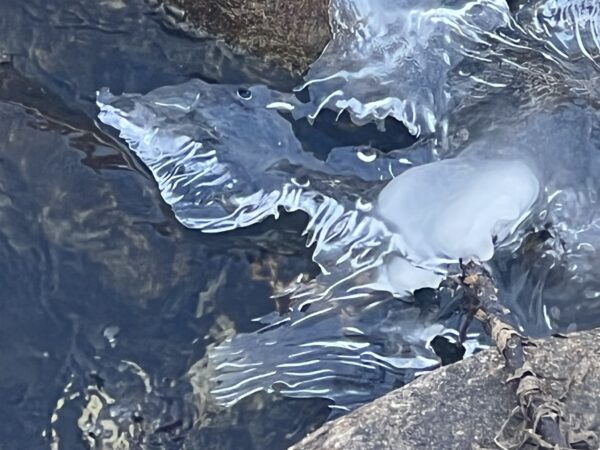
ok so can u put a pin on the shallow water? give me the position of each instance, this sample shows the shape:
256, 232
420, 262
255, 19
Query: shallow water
103, 294
99, 280
110, 307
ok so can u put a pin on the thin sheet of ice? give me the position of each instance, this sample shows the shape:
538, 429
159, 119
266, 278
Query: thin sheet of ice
224, 160
202, 143
418, 61
392, 57
570, 28
224, 157
346, 350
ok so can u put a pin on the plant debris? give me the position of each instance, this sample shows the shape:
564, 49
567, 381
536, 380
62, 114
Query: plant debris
540, 421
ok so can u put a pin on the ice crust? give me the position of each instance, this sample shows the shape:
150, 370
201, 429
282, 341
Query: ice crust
453, 209
504, 102
393, 57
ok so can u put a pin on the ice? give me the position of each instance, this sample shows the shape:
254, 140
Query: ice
418, 62
201, 143
454, 209
224, 160
508, 150
571, 28
347, 351
393, 57
197, 138
457, 208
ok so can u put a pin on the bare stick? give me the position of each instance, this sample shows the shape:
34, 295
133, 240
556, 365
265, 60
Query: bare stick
546, 418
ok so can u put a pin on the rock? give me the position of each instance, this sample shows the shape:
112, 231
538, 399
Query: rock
291, 33
464, 405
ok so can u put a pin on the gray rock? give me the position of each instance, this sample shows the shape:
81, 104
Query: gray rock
464, 405
291, 33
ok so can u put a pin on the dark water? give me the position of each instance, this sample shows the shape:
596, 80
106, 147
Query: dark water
106, 303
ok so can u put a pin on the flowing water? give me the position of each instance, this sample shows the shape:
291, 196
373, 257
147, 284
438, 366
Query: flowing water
124, 329
103, 294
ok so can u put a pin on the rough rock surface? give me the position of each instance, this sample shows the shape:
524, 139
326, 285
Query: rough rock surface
290, 32
464, 405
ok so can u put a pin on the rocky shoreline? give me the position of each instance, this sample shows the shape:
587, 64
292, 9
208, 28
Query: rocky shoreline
466, 405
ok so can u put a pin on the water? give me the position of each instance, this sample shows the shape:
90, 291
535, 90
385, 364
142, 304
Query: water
120, 328
99, 281
103, 294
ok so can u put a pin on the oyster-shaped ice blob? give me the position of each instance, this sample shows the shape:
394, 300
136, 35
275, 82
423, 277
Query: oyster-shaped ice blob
453, 209
393, 57
456, 208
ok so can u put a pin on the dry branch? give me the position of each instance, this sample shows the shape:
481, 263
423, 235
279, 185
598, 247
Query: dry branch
544, 419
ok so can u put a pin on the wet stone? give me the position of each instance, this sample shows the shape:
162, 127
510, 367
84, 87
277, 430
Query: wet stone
465, 405
290, 33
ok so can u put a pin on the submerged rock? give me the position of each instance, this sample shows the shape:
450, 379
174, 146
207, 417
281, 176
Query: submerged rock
466, 404
291, 33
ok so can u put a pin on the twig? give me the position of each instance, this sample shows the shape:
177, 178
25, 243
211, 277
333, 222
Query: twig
546, 422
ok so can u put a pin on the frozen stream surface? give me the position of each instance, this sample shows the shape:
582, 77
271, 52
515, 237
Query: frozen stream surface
503, 105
